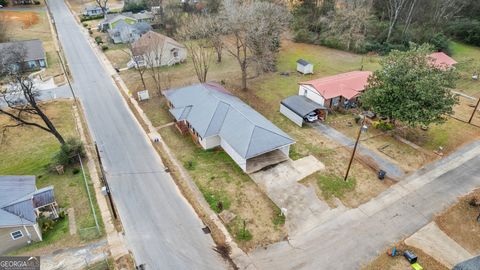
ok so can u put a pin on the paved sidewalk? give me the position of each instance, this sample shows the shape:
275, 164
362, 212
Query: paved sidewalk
439, 245
75, 258
392, 169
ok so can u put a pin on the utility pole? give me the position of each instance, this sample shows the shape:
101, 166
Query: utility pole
355, 147
474, 111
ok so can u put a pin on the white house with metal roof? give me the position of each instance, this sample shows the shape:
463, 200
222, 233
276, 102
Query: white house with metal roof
216, 118
20, 204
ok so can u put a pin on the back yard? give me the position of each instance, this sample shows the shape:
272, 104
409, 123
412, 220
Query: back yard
25, 25
30, 151
264, 94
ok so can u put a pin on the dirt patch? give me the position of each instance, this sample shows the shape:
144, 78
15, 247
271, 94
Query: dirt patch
464, 110
26, 19
459, 222
125, 262
385, 262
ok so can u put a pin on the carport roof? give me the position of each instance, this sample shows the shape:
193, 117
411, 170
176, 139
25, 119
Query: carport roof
301, 105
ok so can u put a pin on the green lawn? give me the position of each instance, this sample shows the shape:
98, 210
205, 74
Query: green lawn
221, 180
31, 151
468, 58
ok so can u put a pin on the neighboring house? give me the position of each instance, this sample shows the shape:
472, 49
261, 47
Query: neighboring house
297, 109
304, 67
20, 206
442, 60
127, 33
34, 57
336, 91
216, 118
112, 19
143, 16
154, 49
94, 11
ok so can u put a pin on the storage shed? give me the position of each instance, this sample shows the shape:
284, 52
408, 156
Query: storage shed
304, 67
296, 108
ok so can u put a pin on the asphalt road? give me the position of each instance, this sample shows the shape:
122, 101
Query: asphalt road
357, 236
161, 228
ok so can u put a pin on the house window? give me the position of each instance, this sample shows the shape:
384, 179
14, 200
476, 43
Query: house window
16, 235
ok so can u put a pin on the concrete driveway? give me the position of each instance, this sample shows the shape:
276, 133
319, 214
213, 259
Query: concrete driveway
280, 183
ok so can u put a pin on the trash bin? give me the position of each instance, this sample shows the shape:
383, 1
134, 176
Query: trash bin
410, 256
381, 174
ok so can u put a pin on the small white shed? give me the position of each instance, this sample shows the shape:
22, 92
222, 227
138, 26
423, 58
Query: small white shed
304, 67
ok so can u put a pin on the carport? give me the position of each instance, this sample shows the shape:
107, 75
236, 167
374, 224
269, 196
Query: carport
297, 107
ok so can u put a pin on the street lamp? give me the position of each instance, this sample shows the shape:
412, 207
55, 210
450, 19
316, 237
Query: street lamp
363, 128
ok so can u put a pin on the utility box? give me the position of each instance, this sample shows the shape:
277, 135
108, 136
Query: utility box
381, 174
410, 256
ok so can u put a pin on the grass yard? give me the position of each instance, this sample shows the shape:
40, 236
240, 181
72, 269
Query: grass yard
459, 222
468, 58
29, 151
221, 180
265, 94
25, 25
405, 156
385, 262
78, 6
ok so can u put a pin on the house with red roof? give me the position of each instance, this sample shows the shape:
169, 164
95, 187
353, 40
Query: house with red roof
333, 91
442, 60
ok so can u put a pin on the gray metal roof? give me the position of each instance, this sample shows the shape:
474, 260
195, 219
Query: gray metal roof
301, 105
33, 48
18, 199
212, 111
471, 264
140, 27
303, 62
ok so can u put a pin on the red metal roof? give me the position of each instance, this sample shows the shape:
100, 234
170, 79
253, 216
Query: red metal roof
440, 59
347, 85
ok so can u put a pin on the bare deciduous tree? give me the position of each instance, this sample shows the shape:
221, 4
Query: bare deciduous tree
409, 17
103, 5
254, 29
153, 59
197, 36
349, 25
20, 100
394, 8
444, 10
138, 62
